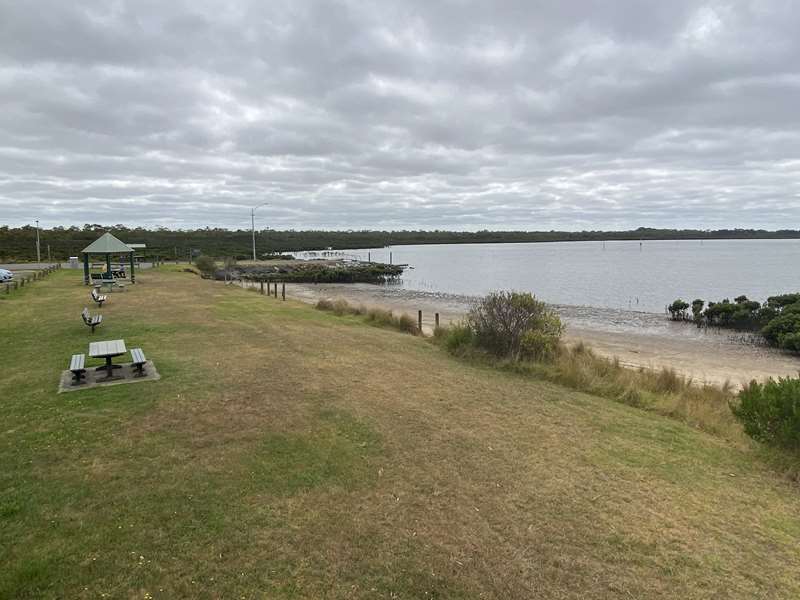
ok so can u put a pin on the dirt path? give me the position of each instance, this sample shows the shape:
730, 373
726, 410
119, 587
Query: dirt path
637, 339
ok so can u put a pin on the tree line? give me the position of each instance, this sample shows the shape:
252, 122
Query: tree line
58, 243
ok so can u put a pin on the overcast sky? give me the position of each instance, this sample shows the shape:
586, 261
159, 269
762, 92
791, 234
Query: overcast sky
411, 114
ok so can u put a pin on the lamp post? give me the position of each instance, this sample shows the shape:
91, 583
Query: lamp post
253, 225
38, 248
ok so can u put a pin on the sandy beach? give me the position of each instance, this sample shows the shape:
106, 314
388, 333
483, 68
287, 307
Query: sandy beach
637, 339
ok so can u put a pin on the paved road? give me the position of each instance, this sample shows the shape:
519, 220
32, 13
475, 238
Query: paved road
26, 266
38, 266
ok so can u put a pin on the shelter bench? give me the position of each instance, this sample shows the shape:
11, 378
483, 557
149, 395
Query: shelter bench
91, 321
77, 365
139, 361
98, 298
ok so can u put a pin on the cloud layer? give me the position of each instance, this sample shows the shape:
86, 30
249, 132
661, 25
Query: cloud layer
522, 114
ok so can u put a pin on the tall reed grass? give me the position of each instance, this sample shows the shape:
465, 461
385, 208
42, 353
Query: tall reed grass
664, 391
379, 317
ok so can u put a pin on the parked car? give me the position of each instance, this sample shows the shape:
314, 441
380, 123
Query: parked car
5, 275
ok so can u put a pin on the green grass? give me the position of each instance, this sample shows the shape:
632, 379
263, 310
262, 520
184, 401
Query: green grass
288, 453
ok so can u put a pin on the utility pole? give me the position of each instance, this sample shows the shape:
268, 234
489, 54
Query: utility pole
253, 225
38, 249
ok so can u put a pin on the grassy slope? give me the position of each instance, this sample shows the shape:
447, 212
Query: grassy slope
290, 453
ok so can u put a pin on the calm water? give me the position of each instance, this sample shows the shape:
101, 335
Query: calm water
622, 275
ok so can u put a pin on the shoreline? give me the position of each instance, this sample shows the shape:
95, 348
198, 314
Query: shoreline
637, 339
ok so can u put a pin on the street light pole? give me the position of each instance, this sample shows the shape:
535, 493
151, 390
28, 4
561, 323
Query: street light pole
38, 249
253, 225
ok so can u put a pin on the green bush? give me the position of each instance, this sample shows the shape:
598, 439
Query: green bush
782, 330
770, 412
457, 338
513, 325
206, 265
539, 345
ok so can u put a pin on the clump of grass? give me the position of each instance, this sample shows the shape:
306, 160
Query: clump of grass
664, 390
379, 317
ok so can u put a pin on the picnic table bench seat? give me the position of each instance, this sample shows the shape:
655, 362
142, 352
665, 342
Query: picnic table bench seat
77, 365
89, 320
139, 360
98, 298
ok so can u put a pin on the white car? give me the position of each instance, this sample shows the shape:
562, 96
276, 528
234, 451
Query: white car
5, 275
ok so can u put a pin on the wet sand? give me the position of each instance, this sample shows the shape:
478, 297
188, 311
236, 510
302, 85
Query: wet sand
638, 339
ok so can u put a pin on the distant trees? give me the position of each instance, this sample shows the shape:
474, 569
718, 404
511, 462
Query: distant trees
19, 243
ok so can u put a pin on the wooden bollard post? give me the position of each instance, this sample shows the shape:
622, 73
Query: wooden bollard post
436, 319
419, 319
276, 290
262, 287
283, 291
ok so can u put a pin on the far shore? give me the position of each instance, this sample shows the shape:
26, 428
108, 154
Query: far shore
638, 339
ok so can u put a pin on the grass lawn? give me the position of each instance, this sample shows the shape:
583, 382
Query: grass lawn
289, 453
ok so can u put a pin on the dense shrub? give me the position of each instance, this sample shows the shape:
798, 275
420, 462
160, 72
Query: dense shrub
541, 344
782, 330
503, 324
206, 265
458, 338
316, 272
770, 412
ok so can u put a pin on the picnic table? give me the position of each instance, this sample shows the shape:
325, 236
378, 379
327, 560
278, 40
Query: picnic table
110, 284
108, 350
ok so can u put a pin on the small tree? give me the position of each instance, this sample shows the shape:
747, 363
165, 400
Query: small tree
515, 325
697, 310
677, 310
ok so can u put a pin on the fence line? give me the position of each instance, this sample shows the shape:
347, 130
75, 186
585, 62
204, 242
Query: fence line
37, 276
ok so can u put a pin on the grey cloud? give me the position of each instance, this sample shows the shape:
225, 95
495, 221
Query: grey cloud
522, 114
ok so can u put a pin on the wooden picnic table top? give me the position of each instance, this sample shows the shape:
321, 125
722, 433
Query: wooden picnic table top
107, 348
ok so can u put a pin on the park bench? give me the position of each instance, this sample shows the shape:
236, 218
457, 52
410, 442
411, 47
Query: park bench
98, 298
77, 365
91, 321
139, 361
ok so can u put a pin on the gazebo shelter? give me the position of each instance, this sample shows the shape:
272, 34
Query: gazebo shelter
107, 245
